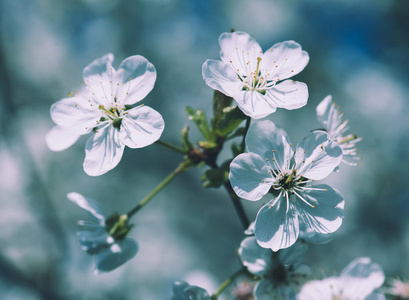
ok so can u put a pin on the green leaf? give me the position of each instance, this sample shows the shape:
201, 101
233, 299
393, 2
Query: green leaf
206, 144
241, 131
232, 118
215, 178
187, 145
236, 149
220, 101
199, 117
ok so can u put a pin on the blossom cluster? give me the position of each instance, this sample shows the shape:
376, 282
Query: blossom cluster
266, 168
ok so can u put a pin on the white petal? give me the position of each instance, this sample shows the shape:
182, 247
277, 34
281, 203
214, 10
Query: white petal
328, 211
103, 151
316, 156
141, 127
361, 277
136, 77
249, 176
269, 290
328, 115
375, 296
93, 241
288, 94
99, 70
240, 50
311, 236
75, 114
221, 76
258, 260
275, 227
320, 289
254, 104
59, 138
263, 137
284, 60
112, 257
89, 205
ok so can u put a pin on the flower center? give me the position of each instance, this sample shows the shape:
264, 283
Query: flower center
113, 115
287, 181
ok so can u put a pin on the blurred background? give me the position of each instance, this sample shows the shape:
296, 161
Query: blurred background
359, 53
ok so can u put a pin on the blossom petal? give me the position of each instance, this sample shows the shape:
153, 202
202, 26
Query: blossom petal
99, 70
221, 76
136, 77
254, 104
288, 94
249, 176
258, 260
328, 211
316, 156
264, 137
116, 255
284, 60
240, 50
75, 114
59, 138
267, 290
103, 151
141, 127
89, 205
311, 236
375, 296
276, 228
320, 289
93, 241
292, 255
361, 277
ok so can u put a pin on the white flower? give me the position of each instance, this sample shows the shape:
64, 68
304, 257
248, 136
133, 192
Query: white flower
399, 289
356, 282
270, 166
280, 271
111, 249
256, 80
331, 118
106, 107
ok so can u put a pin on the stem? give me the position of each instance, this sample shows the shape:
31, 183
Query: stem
170, 146
227, 282
246, 128
182, 167
237, 205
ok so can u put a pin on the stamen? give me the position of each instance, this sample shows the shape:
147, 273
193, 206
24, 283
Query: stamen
305, 201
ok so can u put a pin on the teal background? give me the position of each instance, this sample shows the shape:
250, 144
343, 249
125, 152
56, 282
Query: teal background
358, 53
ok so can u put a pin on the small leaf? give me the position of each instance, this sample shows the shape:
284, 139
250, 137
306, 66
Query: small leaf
199, 117
187, 145
215, 178
239, 132
236, 149
220, 102
206, 144
232, 118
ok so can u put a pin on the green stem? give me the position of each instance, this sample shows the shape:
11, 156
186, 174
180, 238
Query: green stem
246, 128
171, 147
186, 164
227, 282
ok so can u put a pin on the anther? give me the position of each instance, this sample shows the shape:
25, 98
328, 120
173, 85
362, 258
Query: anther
266, 159
262, 181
